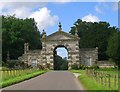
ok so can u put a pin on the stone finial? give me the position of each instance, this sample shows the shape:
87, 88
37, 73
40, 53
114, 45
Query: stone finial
60, 26
43, 34
76, 31
97, 48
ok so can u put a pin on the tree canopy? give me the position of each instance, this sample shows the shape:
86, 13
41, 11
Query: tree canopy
15, 32
94, 35
60, 63
113, 49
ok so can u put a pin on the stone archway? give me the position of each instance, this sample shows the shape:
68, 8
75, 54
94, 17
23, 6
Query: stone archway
60, 64
60, 38
45, 56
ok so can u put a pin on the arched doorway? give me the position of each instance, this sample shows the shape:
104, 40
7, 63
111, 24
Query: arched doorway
60, 60
60, 39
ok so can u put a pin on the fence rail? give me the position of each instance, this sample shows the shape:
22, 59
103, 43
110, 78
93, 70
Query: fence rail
109, 79
14, 73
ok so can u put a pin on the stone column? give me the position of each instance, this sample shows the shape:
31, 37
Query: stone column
25, 48
96, 54
69, 58
44, 52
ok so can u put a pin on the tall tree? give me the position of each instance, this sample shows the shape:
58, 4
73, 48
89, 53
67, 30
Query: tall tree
94, 35
113, 49
15, 32
60, 63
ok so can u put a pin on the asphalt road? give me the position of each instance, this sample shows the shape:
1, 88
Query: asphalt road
54, 80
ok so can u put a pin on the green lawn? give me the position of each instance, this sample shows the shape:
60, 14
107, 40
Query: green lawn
112, 73
89, 83
16, 79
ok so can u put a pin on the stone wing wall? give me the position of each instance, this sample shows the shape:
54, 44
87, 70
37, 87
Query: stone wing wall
88, 56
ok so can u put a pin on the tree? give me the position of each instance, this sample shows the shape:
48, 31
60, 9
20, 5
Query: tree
15, 32
94, 35
113, 49
59, 63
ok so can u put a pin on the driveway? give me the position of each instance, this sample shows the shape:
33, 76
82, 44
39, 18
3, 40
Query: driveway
54, 80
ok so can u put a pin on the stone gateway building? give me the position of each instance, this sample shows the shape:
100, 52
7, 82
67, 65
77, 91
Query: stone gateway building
86, 56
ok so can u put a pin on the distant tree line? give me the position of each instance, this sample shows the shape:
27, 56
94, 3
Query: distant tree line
60, 63
101, 35
15, 32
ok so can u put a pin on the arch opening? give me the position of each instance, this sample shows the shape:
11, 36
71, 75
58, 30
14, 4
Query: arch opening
60, 54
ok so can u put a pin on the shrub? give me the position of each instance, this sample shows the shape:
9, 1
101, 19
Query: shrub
83, 67
41, 67
74, 66
4, 68
2, 63
48, 65
94, 66
14, 63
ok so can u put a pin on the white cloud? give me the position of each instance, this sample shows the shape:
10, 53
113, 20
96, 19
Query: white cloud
98, 10
43, 18
21, 4
19, 12
116, 6
90, 18
62, 52
24, 10
20, 9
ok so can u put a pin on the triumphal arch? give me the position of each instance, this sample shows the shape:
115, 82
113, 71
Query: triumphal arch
87, 56
61, 39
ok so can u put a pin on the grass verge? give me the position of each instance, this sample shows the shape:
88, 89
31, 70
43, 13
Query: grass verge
89, 83
20, 78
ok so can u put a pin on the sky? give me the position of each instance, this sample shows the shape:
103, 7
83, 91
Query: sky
48, 14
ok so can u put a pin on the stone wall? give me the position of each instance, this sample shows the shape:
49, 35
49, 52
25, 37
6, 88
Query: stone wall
32, 55
71, 46
88, 56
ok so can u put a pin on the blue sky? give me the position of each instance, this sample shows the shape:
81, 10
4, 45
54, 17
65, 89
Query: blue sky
47, 15
69, 12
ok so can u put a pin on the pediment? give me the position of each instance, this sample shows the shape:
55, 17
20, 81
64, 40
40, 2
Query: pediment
60, 35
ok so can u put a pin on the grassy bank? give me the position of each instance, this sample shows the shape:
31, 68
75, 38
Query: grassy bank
17, 79
89, 83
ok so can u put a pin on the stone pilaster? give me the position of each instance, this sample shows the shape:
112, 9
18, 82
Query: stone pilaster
25, 48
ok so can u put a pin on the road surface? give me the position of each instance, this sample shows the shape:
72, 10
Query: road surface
54, 80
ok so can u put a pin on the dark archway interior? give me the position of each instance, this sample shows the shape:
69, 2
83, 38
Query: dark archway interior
60, 61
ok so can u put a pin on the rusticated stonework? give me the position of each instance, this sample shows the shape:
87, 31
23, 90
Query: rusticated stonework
59, 39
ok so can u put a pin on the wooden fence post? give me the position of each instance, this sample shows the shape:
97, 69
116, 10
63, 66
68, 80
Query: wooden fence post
101, 77
9, 73
15, 72
105, 79
96, 76
93, 74
109, 80
86, 72
115, 81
